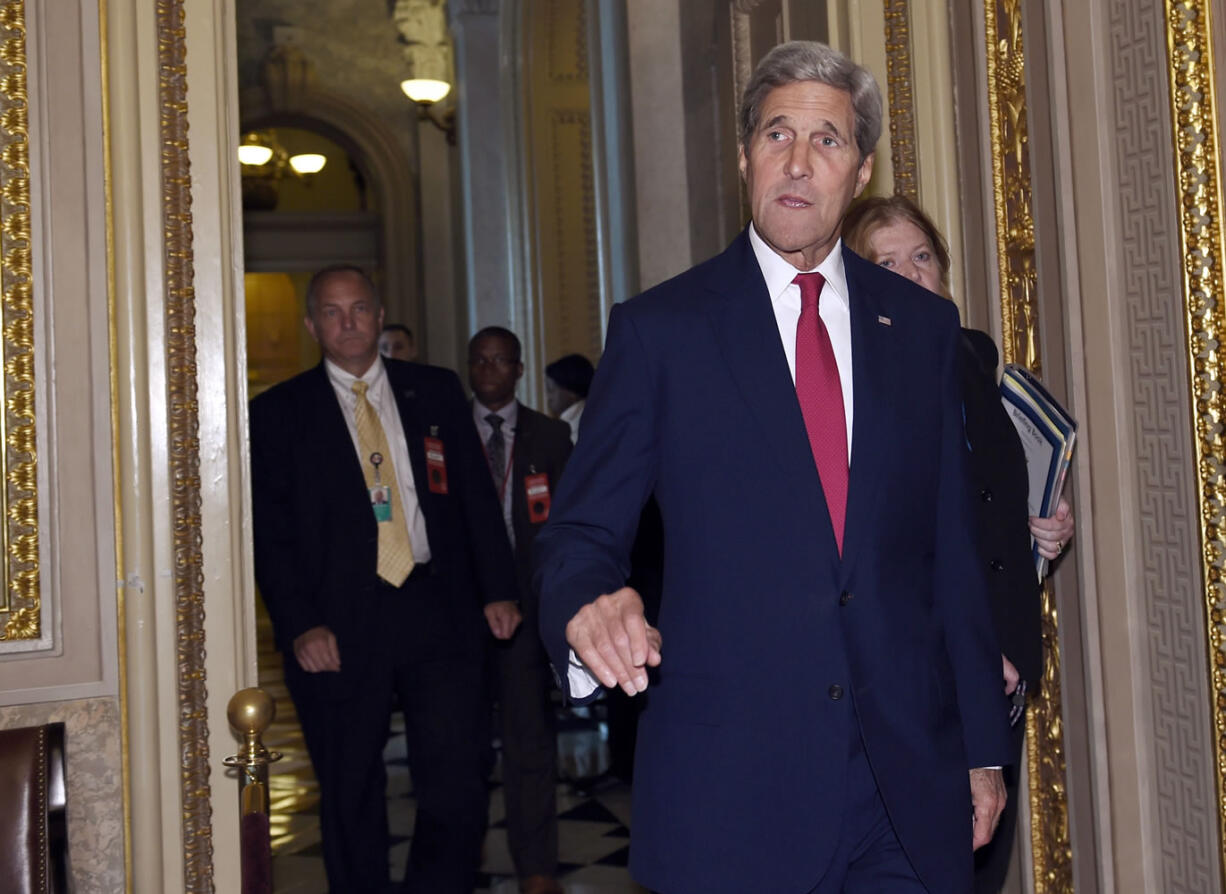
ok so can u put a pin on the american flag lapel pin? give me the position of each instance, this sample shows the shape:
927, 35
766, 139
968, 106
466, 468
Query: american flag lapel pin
884, 320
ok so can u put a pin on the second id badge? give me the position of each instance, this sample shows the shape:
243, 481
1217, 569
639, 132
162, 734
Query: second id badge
536, 489
436, 466
381, 502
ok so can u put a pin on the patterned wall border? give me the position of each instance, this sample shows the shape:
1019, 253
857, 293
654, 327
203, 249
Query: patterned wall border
184, 447
1051, 851
1203, 248
21, 603
901, 98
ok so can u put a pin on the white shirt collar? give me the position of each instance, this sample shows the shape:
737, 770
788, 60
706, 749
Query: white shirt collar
509, 414
343, 380
779, 274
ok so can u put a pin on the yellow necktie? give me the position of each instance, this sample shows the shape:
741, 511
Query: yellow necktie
395, 551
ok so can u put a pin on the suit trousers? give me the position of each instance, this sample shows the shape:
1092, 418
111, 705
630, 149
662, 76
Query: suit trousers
869, 858
446, 714
529, 749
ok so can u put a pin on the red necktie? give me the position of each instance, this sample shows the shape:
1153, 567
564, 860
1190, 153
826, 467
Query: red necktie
821, 400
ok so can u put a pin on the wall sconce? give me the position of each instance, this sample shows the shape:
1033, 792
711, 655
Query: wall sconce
265, 162
427, 93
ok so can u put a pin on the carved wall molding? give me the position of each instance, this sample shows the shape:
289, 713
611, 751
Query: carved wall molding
1198, 187
900, 95
1051, 851
566, 43
21, 608
571, 134
184, 448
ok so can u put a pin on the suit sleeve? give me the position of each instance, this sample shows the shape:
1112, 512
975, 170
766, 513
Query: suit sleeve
584, 549
961, 587
493, 562
279, 571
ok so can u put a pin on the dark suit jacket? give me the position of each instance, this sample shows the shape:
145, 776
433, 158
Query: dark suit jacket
316, 542
542, 447
774, 647
999, 486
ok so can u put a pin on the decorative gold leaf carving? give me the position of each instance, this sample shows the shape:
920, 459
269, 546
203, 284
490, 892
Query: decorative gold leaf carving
1015, 247
899, 81
184, 448
1198, 171
21, 603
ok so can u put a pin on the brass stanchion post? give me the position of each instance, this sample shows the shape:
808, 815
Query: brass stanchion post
250, 712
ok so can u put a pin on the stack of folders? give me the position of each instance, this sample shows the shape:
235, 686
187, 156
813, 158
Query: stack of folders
1047, 433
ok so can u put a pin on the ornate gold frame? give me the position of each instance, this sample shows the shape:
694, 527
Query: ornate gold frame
901, 98
1198, 183
20, 603
1051, 851
183, 429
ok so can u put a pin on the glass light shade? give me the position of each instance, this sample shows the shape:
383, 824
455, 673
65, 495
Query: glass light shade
425, 90
253, 154
308, 162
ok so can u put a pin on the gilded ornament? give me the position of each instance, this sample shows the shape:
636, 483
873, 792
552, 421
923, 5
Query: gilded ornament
1051, 852
20, 602
901, 99
1198, 172
183, 425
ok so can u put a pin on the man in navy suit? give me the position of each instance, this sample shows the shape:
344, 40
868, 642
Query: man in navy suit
822, 691
370, 496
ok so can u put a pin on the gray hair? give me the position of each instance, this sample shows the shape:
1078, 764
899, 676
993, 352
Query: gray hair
320, 276
805, 60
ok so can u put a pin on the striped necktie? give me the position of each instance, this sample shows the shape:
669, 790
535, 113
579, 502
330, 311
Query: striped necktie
395, 552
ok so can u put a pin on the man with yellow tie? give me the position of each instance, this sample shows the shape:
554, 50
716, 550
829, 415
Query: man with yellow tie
370, 494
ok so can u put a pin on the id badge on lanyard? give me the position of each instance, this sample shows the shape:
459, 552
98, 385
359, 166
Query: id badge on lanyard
380, 494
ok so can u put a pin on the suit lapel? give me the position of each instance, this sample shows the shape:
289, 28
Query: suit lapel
329, 424
746, 329
520, 460
870, 353
408, 405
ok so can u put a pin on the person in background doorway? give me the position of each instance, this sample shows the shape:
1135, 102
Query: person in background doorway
396, 341
526, 452
567, 381
378, 543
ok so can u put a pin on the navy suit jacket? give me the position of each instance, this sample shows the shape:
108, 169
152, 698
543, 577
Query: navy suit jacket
775, 648
316, 542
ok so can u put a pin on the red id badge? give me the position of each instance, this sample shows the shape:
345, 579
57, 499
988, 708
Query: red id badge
436, 466
536, 487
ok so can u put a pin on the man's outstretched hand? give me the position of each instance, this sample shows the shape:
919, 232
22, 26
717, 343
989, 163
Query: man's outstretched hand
612, 638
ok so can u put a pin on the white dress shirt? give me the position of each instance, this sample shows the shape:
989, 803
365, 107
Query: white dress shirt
834, 307
379, 393
510, 419
571, 417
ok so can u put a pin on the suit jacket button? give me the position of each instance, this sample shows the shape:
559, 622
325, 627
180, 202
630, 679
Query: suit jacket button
986, 495
835, 692
996, 565
846, 598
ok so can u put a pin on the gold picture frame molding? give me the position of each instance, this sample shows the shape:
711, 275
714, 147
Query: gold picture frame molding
184, 448
21, 608
1198, 186
1012, 190
901, 98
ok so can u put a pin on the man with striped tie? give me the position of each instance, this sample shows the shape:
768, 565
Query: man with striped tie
370, 491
